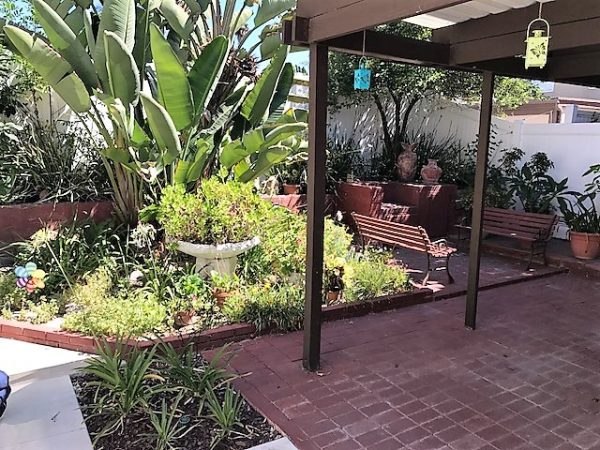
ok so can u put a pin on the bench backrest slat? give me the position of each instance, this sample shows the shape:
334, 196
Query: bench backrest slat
531, 226
391, 233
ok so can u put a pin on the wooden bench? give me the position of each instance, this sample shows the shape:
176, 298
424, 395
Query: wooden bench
534, 229
406, 236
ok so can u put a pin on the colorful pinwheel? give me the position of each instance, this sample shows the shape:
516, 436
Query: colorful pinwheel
29, 277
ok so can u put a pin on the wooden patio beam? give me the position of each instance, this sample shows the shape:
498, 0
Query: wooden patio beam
567, 36
333, 18
516, 20
483, 143
317, 140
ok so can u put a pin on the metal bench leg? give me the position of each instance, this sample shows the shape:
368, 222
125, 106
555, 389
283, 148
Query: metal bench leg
450, 278
531, 253
426, 279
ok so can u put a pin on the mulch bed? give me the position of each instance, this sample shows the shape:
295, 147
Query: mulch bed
256, 429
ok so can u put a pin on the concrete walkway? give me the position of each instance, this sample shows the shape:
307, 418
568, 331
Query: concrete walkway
42, 413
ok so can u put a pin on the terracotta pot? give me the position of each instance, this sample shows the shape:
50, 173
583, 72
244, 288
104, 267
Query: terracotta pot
406, 163
221, 297
333, 296
184, 318
431, 173
585, 245
291, 189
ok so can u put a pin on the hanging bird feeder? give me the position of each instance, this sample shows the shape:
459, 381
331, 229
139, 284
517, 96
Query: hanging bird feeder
362, 75
538, 42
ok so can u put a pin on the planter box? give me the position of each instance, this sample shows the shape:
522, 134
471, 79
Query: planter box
40, 334
18, 222
205, 340
379, 304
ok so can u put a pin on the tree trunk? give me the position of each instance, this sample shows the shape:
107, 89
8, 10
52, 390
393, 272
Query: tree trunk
409, 108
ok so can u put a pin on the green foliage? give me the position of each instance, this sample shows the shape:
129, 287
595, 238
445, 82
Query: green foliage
268, 307
224, 413
11, 297
344, 161
166, 426
535, 189
206, 104
121, 378
366, 278
39, 312
135, 315
217, 213
41, 162
579, 208
67, 253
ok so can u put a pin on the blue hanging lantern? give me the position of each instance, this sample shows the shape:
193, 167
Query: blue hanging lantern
362, 76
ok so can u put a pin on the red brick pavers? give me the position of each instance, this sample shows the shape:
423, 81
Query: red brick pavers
528, 378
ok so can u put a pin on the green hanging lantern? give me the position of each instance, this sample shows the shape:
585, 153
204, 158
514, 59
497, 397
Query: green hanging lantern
538, 42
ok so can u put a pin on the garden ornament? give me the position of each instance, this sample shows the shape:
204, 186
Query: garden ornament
29, 277
537, 44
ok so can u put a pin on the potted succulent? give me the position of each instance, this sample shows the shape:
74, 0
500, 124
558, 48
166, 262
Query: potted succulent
581, 216
191, 291
293, 178
215, 224
223, 286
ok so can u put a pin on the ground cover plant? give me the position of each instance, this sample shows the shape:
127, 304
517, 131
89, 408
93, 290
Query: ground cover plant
113, 280
165, 400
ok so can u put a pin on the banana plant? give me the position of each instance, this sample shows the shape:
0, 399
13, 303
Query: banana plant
172, 90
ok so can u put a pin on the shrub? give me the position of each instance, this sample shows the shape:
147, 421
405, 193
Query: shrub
367, 278
11, 297
217, 214
279, 307
38, 313
99, 313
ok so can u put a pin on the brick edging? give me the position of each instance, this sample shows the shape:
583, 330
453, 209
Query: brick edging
205, 340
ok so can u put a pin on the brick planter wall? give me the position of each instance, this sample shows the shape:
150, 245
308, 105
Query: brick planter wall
18, 222
217, 337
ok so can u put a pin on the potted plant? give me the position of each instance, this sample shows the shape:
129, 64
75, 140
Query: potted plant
293, 178
223, 286
215, 224
335, 284
581, 216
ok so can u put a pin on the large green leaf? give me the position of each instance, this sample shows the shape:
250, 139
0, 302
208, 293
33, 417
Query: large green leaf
162, 128
206, 72
269, 45
265, 161
226, 111
45, 60
256, 105
283, 132
286, 81
203, 147
178, 18
123, 75
232, 153
173, 87
74, 93
118, 16
53, 69
269, 9
65, 42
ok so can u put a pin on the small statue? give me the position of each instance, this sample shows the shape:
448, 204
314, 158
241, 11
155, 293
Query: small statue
406, 163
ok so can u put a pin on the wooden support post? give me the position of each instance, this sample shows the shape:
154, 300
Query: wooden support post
485, 122
317, 138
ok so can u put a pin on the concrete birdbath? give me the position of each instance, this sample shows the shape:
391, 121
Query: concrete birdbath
221, 258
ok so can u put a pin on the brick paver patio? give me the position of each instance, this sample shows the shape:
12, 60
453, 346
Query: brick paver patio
529, 377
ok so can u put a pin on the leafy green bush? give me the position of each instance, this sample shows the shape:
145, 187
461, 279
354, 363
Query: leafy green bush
38, 313
217, 214
367, 278
67, 253
279, 307
100, 313
11, 297
131, 316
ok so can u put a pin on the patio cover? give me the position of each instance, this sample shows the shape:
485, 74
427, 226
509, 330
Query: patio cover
485, 36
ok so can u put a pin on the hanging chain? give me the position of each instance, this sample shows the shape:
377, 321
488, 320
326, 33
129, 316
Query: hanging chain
365, 42
541, 6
